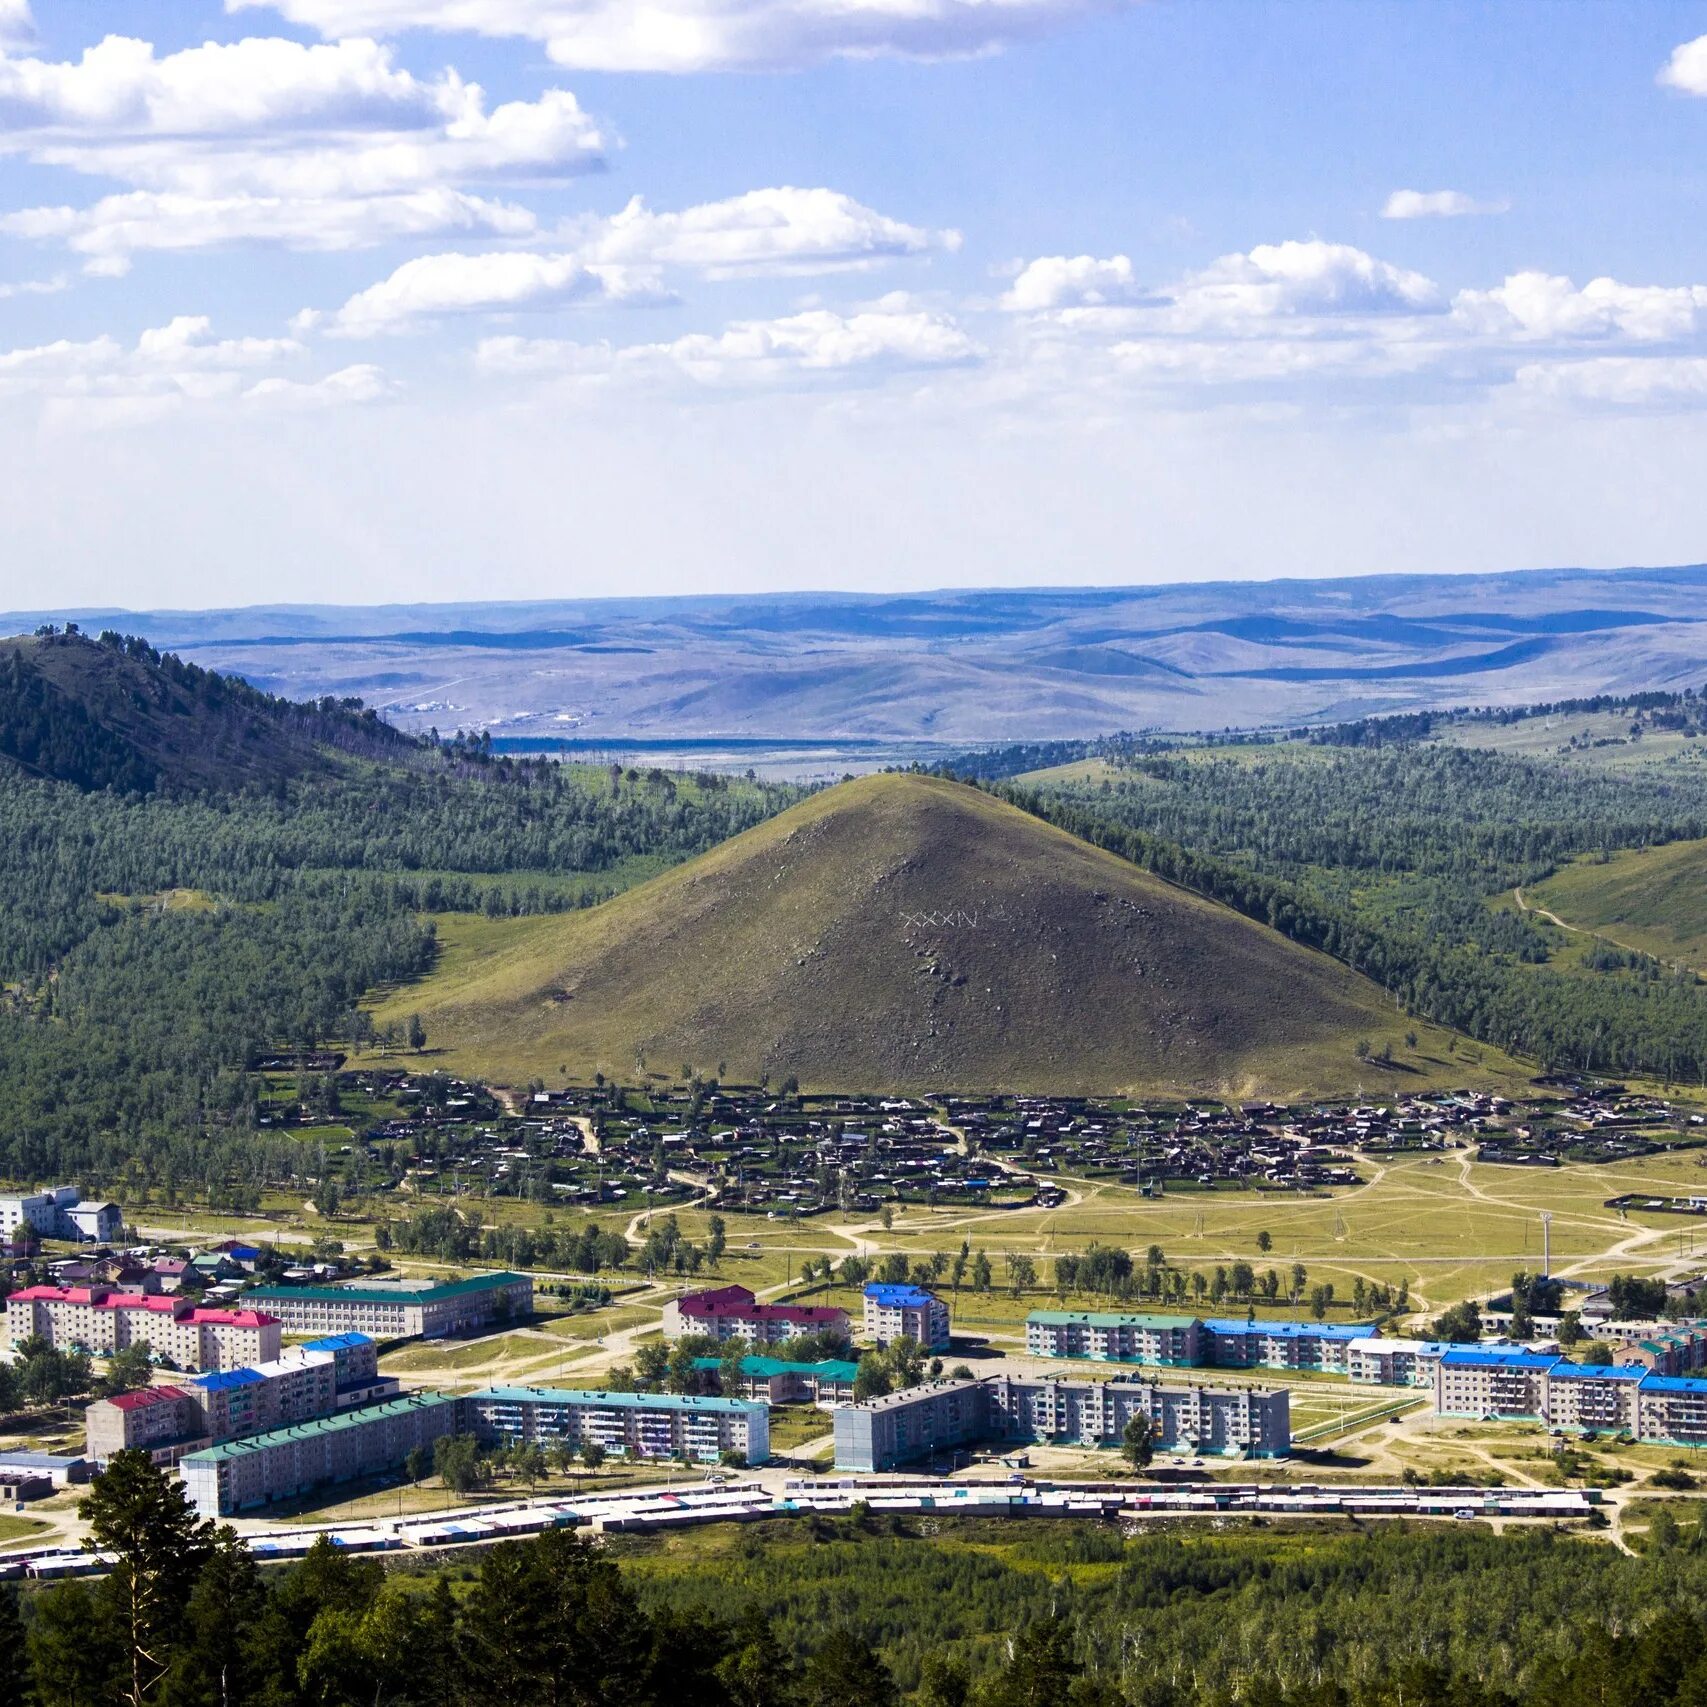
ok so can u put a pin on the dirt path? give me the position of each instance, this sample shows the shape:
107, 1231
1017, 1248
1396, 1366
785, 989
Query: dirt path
1552, 918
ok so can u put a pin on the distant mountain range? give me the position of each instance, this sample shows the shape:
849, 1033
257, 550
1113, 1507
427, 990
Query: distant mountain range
885, 674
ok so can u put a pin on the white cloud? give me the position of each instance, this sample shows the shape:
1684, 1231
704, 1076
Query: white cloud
1436, 204
180, 345
359, 383
101, 382
16, 24
1078, 281
1277, 281
115, 228
265, 140
890, 337
1686, 70
781, 230
1621, 381
221, 89
34, 287
434, 285
1248, 361
620, 259
1547, 306
710, 35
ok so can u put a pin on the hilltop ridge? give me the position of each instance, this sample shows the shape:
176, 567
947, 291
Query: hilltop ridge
113, 712
906, 932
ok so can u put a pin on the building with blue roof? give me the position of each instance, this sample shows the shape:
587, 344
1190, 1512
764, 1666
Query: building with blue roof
308, 1381
1237, 1343
1514, 1383
894, 1312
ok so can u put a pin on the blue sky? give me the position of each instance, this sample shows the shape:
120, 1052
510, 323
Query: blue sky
377, 299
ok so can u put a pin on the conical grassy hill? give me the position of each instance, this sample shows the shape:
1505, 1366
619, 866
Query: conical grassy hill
902, 933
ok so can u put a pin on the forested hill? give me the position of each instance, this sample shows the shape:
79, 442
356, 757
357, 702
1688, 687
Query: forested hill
193, 873
115, 713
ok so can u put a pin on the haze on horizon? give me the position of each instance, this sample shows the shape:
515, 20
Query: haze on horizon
329, 301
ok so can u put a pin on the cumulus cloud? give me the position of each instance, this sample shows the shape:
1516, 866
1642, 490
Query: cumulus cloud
890, 337
310, 146
782, 230
434, 285
102, 382
181, 344
1301, 278
1686, 70
16, 24
622, 259
1547, 306
112, 230
1078, 281
1619, 381
1436, 204
710, 35
360, 383
220, 89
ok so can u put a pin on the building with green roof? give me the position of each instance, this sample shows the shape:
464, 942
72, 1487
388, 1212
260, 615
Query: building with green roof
399, 1312
829, 1382
260, 1468
1116, 1337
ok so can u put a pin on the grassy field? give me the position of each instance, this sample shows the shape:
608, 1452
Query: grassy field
1571, 739
14, 1531
1651, 899
815, 945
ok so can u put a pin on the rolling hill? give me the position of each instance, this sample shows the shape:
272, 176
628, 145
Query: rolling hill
901, 932
1650, 899
115, 713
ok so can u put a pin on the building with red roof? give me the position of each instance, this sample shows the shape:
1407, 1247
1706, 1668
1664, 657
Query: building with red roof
732, 1312
180, 1335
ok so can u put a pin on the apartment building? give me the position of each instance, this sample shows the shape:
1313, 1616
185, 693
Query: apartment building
1185, 1342
1592, 1398
1234, 1343
284, 1463
161, 1421
916, 1423
829, 1382
304, 1382
1112, 1337
627, 1425
946, 1416
388, 1312
1395, 1362
732, 1312
1671, 1410
1489, 1381
180, 1335
1664, 1348
1495, 1381
1252, 1422
905, 1312
60, 1213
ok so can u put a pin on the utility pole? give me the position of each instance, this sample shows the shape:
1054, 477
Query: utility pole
1546, 1243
